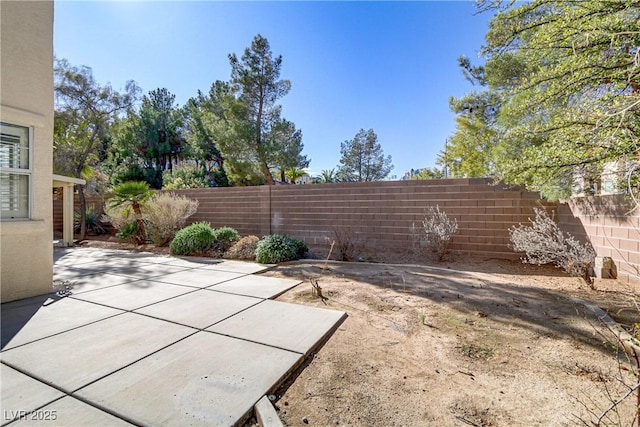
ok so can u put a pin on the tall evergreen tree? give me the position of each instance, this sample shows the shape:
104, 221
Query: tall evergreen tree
253, 114
363, 159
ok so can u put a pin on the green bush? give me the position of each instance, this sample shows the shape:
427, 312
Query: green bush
301, 248
277, 248
128, 232
225, 237
195, 239
185, 176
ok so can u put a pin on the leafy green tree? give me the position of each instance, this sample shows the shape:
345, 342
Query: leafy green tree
205, 125
84, 113
363, 159
468, 152
148, 142
185, 176
253, 113
428, 173
567, 81
289, 155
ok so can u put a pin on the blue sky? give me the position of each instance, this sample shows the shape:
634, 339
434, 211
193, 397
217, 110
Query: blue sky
389, 66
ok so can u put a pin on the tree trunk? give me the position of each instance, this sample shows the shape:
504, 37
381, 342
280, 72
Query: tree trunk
141, 237
266, 172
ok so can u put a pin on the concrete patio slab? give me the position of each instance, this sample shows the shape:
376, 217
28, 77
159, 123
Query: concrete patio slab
139, 270
81, 281
187, 262
23, 323
257, 286
204, 380
200, 309
22, 394
76, 256
288, 326
89, 362
238, 267
75, 358
133, 295
198, 278
69, 411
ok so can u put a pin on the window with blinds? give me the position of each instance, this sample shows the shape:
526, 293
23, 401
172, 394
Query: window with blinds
15, 171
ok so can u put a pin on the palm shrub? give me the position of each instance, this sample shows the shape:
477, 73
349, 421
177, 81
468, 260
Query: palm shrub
277, 248
195, 239
164, 214
131, 196
225, 237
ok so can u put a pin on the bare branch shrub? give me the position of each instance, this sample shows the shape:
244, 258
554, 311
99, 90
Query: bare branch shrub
165, 214
544, 243
346, 244
622, 389
434, 233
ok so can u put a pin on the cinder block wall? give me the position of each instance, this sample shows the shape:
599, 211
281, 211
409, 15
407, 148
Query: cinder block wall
612, 226
379, 215
376, 214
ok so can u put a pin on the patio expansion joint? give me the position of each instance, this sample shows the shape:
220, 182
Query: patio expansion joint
67, 330
195, 331
66, 393
190, 326
257, 342
74, 297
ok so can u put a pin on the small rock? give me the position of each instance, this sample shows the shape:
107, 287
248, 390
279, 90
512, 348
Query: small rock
305, 420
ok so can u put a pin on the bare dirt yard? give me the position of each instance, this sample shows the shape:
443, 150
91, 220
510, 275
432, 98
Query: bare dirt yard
464, 342
474, 342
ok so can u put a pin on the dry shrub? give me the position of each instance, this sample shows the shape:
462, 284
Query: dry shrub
434, 233
165, 214
244, 248
118, 216
348, 245
544, 243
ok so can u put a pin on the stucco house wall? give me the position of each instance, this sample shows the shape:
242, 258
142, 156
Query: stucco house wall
26, 99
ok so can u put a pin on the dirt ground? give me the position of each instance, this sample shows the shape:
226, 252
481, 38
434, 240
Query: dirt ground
474, 342
465, 342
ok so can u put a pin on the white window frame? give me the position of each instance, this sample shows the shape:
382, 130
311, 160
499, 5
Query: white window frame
28, 172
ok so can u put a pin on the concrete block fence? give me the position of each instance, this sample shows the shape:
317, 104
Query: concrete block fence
379, 215
375, 214
612, 225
